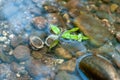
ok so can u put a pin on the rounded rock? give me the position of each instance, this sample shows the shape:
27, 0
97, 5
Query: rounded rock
97, 67
39, 22
21, 53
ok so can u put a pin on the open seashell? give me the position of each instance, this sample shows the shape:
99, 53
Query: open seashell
36, 42
50, 39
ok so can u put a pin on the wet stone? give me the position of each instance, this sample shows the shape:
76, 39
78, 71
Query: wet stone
90, 27
6, 73
39, 71
15, 40
88, 66
68, 65
61, 52
39, 22
50, 9
63, 75
18, 68
4, 57
79, 53
21, 53
37, 54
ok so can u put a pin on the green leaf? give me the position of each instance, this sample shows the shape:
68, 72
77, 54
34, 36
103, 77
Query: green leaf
81, 37
55, 29
53, 44
74, 37
73, 30
84, 38
66, 35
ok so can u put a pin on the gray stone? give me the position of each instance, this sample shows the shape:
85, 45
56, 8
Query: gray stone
39, 71
6, 73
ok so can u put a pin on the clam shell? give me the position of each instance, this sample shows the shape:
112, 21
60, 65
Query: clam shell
36, 42
50, 39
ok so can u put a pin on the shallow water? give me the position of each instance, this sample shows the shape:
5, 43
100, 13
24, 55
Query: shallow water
15, 29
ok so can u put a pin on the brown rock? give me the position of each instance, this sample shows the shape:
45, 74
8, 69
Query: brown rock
93, 29
63, 53
96, 67
39, 22
68, 66
21, 53
78, 53
37, 55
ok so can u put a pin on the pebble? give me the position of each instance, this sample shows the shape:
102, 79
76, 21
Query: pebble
15, 40
21, 53
39, 22
37, 54
3, 38
113, 7
61, 52
18, 68
69, 65
78, 54
4, 57
38, 70
63, 75
6, 73
50, 9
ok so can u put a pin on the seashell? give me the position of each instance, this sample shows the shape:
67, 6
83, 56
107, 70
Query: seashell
50, 39
96, 68
36, 42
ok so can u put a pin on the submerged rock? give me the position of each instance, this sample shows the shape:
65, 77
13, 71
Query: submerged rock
63, 75
21, 53
6, 73
93, 29
39, 71
97, 67
4, 57
68, 65
39, 22
61, 52
111, 53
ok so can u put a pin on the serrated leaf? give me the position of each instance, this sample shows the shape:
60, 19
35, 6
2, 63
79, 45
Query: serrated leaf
55, 29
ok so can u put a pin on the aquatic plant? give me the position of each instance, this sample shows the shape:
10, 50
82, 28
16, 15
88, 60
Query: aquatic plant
68, 34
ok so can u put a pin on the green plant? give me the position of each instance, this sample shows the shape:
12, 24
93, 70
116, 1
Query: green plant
68, 34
